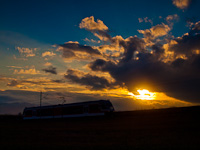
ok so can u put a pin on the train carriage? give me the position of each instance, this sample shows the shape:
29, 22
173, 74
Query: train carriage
83, 109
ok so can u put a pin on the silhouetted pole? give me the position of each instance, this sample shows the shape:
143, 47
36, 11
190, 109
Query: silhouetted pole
40, 99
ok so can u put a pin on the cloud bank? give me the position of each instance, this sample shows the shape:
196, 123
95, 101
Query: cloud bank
158, 62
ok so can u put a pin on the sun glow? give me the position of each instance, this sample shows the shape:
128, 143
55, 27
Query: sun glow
143, 95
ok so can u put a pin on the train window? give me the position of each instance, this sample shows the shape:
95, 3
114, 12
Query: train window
73, 110
104, 106
85, 109
28, 113
38, 112
57, 111
94, 108
34, 113
47, 112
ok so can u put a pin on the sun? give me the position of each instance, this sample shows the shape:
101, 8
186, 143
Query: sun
144, 95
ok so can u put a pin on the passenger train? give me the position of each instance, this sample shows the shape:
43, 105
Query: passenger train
82, 109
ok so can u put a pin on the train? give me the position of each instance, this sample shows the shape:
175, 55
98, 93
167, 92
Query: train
81, 109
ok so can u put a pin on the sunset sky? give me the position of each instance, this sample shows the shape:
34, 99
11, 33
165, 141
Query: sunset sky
138, 54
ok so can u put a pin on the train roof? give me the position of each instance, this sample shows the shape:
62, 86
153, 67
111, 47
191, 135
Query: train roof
70, 104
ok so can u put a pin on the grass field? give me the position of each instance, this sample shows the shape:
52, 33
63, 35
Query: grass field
174, 128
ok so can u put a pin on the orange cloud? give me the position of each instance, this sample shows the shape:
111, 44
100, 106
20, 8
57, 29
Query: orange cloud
99, 29
48, 53
28, 52
88, 23
146, 19
172, 17
182, 4
92, 40
156, 31
29, 71
48, 64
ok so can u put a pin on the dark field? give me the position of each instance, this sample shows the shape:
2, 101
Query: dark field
174, 128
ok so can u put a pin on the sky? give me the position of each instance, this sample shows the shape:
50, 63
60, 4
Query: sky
138, 54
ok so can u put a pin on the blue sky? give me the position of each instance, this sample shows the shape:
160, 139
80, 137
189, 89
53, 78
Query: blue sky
33, 48
57, 21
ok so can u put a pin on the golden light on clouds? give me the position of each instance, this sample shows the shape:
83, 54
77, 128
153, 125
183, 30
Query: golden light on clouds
144, 95
156, 98
29, 71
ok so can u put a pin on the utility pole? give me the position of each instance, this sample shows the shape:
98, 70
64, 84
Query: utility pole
40, 98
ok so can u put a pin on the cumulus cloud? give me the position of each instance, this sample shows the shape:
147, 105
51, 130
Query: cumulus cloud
118, 45
178, 77
50, 69
27, 52
158, 62
156, 31
48, 53
182, 4
98, 28
28, 71
89, 24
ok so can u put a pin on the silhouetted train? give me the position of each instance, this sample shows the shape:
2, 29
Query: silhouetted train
91, 108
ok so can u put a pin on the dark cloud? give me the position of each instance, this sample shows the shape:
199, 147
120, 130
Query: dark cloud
188, 44
58, 81
13, 83
145, 63
101, 65
69, 49
92, 81
178, 77
158, 50
50, 69
28, 83
131, 45
68, 53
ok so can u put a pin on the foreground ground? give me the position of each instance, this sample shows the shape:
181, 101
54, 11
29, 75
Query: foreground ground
174, 128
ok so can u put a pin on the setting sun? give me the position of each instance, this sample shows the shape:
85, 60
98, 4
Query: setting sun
145, 95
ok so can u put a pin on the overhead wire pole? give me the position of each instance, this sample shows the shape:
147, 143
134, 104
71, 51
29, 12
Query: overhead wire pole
40, 104
40, 98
